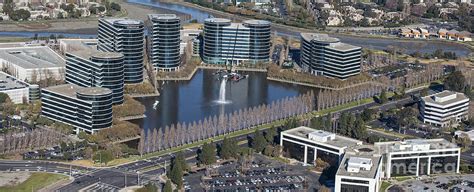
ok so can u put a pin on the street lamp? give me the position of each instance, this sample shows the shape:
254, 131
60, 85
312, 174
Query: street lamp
138, 178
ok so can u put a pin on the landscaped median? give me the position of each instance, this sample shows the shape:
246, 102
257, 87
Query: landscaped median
385, 185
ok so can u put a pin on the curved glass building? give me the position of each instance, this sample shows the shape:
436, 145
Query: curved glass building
125, 36
324, 55
234, 43
260, 39
90, 68
164, 41
87, 109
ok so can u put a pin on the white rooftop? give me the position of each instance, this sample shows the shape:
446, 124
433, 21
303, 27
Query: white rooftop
414, 145
445, 98
32, 57
355, 164
322, 137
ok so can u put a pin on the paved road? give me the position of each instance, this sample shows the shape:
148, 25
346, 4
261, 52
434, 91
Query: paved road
126, 174
44, 166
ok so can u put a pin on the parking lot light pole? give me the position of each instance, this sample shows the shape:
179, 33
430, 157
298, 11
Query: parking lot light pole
138, 178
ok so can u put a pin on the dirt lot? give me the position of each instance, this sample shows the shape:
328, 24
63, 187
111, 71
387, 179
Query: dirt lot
13, 178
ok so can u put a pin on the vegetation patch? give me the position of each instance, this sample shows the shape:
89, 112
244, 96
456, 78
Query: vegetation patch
139, 89
130, 107
35, 182
384, 186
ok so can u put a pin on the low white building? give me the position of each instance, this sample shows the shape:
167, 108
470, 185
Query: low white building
444, 108
416, 157
360, 170
32, 63
17, 90
306, 145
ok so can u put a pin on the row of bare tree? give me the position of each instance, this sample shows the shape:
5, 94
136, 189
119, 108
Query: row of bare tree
327, 98
186, 133
15, 142
377, 60
415, 78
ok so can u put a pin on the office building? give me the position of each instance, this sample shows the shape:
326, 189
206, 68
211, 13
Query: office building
87, 109
235, 43
327, 56
360, 170
32, 64
17, 90
164, 41
92, 68
69, 45
125, 36
444, 109
190, 41
306, 145
416, 157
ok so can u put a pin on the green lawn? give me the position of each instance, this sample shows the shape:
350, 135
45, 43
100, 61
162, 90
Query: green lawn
384, 186
400, 179
35, 182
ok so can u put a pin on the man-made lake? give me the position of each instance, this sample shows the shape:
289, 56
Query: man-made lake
187, 101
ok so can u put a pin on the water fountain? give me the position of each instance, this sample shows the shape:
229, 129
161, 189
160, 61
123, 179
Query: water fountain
222, 90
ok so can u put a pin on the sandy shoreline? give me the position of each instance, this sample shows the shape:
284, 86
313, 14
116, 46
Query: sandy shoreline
83, 26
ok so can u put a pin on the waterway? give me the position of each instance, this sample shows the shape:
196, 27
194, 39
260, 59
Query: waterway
194, 100
410, 46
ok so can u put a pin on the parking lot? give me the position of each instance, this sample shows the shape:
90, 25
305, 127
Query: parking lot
441, 183
262, 174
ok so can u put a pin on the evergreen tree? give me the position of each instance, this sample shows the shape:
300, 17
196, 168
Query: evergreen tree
176, 174
258, 141
228, 149
327, 122
207, 156
168, 187
455, 82
270, 135
359, 131
181, 161
350, 124
383, 97
343, 123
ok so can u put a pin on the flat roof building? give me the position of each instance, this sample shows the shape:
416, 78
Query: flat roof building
32, 64
17, 90
225, 42
360, 170
125, 36
87, 109
324, 55
444, 108
88, 67
417, 157
306, 145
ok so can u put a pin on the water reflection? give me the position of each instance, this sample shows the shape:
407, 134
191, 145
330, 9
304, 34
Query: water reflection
195, 13
188, 101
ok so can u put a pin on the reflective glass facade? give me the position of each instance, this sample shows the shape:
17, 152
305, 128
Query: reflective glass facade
324, 55
88, 109
164, 41
127, 37
97, 70
233, 43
